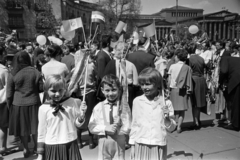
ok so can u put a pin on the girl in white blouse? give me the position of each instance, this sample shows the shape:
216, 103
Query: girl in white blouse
58, 118
151, 121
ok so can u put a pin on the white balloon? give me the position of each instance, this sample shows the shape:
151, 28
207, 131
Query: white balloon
41, 39
193, 29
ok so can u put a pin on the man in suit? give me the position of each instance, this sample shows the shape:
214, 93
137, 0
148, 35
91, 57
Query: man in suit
229, 74
222, 50
103, 57
141, 58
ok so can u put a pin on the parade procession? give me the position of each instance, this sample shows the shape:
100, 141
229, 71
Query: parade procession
105, 80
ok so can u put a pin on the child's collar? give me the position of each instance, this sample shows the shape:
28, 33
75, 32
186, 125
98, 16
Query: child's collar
107, 102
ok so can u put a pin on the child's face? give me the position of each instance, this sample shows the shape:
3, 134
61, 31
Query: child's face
149, 89
111, 93
56, 93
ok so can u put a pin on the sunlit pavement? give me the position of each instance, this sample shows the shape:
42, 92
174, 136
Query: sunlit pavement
209, 143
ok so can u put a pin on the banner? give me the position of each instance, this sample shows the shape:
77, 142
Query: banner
96, 16
72, 24
149, 30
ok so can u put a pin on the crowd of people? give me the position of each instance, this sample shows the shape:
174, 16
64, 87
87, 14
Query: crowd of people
129, 95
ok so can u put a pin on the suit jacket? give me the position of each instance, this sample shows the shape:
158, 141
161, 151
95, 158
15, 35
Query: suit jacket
102, 60
226, 53
230, 72
141, 59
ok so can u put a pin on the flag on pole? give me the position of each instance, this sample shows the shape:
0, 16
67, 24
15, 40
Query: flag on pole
146, 44
97, 16
121, 27
149, 30
72, 24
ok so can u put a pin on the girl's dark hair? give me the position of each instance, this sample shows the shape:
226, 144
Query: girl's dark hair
54, 50
151, 75
20, 60
182, 54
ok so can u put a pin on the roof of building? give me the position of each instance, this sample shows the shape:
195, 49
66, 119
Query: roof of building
179, 8
220, 15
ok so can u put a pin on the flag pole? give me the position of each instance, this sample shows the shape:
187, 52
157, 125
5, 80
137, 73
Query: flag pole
94, 34
84, 35
85, 82
90, 29
155, 34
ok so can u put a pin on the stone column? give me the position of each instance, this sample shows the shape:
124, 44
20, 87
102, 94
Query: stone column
210, 30
215, 31
233, 30
224, 30
159, 33
219, 30
163, 32
228, 30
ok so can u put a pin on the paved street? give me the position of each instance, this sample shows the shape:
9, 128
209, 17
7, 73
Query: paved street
209, 143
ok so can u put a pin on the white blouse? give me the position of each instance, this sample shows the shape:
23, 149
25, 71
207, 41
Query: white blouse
148, 122
59, 129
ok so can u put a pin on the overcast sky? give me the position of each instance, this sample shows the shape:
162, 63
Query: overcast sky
209, 6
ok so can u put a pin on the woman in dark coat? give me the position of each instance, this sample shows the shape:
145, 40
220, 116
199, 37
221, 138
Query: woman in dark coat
4, 113
23, 87
197, 65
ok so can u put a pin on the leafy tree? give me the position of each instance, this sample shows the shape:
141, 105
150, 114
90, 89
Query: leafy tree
116, 10
4, 16
183, 32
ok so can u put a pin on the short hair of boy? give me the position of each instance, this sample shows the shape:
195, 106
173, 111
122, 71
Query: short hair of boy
54, 81
111, 80
151, 75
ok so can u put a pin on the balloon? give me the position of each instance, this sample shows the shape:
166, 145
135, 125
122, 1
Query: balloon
41, 39
193, 29
50, 38
67, 35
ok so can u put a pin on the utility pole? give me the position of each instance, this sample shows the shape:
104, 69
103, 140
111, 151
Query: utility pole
177, 18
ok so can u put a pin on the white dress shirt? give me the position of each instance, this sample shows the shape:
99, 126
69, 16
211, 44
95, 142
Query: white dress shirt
59, 129
97, 124
148, 122
207, 56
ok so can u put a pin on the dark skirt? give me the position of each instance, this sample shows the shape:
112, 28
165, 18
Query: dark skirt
181, 101
23, 120
4, 115
199, 91
68, 151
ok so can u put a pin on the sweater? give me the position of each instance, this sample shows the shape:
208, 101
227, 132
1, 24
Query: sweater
23, 89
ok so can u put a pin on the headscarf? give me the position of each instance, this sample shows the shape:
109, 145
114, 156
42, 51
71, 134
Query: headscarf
20, 61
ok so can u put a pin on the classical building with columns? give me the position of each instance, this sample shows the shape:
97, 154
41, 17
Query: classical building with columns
218, 25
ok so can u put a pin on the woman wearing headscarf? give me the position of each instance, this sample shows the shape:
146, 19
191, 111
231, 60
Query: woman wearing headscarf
23, 87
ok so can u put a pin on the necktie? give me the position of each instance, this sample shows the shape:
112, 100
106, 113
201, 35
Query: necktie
111, 114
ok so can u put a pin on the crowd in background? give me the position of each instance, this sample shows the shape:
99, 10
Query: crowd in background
196, 75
